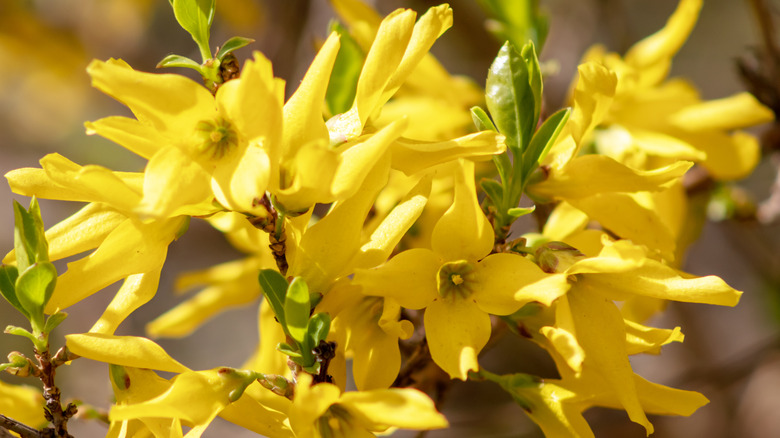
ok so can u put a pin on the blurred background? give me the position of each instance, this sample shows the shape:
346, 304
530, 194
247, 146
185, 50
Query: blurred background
732, 355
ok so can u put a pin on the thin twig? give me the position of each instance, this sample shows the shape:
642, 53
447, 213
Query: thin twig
9, 424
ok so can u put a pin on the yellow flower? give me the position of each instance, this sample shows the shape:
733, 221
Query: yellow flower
196, 143
322, 411
458, 282
654, 119
436, 103
606, 190
193, 398
22, 403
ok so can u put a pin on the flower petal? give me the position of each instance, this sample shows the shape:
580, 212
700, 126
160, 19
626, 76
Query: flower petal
405, 408
409, 278
131, 134
463, 233
129, 351
588, 175
501, 279
303, 121
136, 291
412, 156
457, 330
171, 103
601, 333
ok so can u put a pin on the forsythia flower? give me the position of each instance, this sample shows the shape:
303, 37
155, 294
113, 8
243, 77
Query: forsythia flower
455, 282
322, 411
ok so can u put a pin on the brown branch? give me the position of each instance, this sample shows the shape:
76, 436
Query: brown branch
53, 410
9, 424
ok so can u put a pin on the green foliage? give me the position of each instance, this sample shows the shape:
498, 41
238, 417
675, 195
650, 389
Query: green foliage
516, 21
346, 71
543, 140
28, 286
291, 303
196, 16
232, 45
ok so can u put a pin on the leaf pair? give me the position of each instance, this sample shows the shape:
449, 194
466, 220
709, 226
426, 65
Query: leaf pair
28, 286
513, 94
196, 17
291, 303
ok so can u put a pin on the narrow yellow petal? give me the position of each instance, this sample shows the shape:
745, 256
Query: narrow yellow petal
129, 351
400, 407
601, 333
22, 403
594, 174
741, 110
136, 291
327, 246
643, 339
171, 103
303, 121
729, 157
660, 47
457, 331
241, 179
131, 134
412, 156
393, 227
463, 233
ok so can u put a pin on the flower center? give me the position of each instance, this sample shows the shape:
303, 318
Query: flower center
456, 279
217, 138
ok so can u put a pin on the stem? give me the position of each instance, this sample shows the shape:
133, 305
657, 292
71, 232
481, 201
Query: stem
9, 424
53, 410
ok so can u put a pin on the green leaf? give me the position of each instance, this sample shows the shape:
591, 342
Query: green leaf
483, 123
494, 190
346, 71
179, 61
516, 20
534, 78
196, 16
34, 288
53, 321
18, 331
543, 140
289, 350
516, 212
29, 237
8, 276
482, 120
319, 326
510, 99
297, 309
274, 288
232, 45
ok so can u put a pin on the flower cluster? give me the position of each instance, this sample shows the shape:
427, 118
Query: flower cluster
407, 264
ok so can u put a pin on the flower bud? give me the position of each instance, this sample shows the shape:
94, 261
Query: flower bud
557, 257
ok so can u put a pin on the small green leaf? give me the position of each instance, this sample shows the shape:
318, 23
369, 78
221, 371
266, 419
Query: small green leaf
297, 309
8, 276
312, 369
516, 212
346, 71
482, 120
196, 16
516, 20
510, 99
543, 140
494, 190
319, 326
232, 45
288, 350
29, 237
18, 331
34, 288
274, 290
119, 376
179, 61
53, 321
534, 78
483, 123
